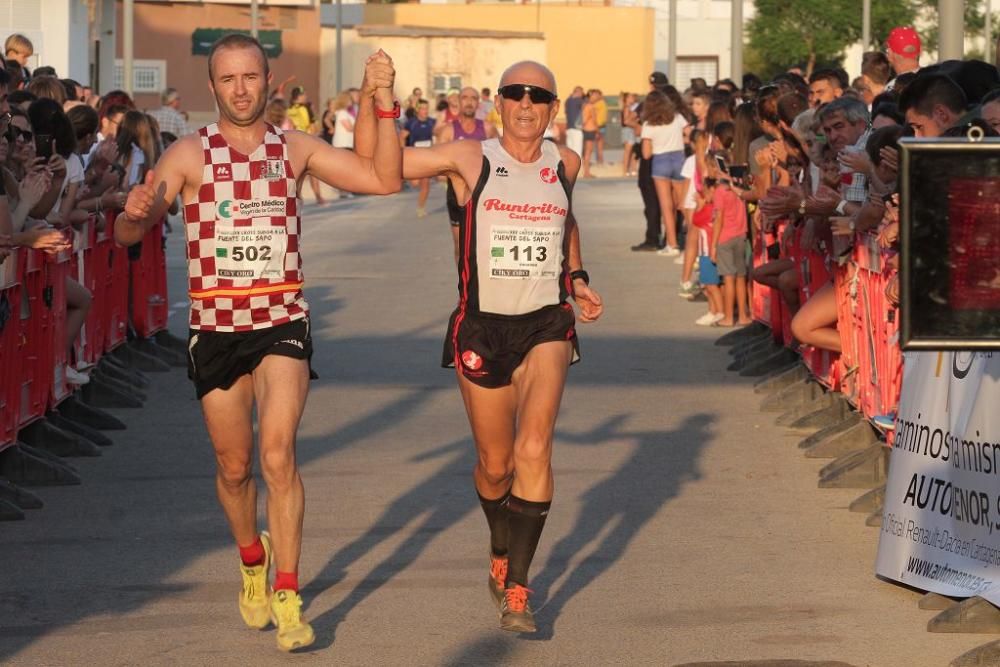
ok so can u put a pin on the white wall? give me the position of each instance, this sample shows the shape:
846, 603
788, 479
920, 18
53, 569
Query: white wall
54, 49
703, 29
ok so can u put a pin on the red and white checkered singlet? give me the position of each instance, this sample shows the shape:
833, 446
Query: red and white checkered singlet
244, 267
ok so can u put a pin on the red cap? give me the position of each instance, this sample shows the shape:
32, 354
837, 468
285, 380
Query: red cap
904, 41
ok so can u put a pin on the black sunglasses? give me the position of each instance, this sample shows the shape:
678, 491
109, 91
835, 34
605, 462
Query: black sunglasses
13, 132
516, 91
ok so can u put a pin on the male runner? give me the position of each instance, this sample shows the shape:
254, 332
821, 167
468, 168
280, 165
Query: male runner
240, 181
466, 126
512, 337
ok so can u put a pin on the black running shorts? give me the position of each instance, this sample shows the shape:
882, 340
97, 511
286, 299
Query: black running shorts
456, 213
216, 360
489, 347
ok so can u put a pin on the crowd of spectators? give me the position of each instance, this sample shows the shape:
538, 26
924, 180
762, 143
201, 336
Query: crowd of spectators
816, 153
66, 157
815, 156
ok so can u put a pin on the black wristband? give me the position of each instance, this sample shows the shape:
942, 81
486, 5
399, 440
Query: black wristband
581, 274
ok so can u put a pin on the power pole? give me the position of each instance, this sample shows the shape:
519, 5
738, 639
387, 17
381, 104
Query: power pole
340, 47
672, 53
866, 25
736, 37
951, 20
988, 33
128, 49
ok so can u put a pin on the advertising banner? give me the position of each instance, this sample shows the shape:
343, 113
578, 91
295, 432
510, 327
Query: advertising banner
941, 519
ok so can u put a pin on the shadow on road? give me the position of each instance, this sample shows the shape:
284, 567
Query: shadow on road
617, 507
426, 510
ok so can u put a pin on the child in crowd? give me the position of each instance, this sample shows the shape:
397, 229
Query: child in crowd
708, 273
728, 251
692, 171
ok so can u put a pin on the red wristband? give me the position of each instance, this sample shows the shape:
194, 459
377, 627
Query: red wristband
394, 113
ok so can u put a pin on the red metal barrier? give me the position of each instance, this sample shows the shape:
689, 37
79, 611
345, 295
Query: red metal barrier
868, 371
760, 295
10, 342
88, 344
116, 288
814, 276
882, 358
57, 272
845, 287
148, 276
33, 316
36, 330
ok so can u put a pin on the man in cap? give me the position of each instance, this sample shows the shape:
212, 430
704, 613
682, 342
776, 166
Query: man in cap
903, 50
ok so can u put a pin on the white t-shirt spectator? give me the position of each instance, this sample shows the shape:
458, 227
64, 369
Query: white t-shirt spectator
342, 137
666, 138
136, 163
687, 171
74, 174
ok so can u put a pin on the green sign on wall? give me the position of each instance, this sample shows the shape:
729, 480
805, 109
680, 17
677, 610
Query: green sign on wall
203, 38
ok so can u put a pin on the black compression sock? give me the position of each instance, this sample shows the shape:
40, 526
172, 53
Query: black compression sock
526, 520
496, 517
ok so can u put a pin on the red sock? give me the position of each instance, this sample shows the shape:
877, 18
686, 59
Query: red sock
286, 581
253, 554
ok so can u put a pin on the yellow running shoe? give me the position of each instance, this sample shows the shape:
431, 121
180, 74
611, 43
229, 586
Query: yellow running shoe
256, 591
286, 612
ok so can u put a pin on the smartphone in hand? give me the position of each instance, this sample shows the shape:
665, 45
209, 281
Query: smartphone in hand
43, 145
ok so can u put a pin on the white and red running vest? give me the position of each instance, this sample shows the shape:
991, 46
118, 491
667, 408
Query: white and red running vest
242, 231
511, 260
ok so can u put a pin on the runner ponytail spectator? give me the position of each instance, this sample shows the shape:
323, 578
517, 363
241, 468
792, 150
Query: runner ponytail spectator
746, 129
718, 112
723, 135
85, 124
136, 146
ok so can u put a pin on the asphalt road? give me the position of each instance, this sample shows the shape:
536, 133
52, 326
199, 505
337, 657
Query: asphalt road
686, 527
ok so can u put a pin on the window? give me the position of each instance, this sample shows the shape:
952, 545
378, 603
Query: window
445, 82
693, 67
148, 76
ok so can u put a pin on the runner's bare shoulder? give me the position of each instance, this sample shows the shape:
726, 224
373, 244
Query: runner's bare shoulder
468, 158
181, 166
186, 156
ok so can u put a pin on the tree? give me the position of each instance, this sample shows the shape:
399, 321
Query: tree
816, 32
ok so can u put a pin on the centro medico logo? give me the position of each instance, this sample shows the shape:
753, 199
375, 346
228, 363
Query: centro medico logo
226, 208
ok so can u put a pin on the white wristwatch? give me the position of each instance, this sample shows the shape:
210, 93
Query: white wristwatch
842, 207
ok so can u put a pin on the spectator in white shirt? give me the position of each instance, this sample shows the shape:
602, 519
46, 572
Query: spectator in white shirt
663, 142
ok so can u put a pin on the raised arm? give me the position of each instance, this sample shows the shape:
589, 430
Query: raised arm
148, 201
375, 164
